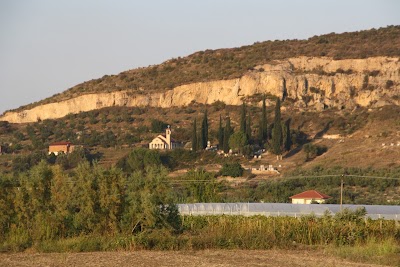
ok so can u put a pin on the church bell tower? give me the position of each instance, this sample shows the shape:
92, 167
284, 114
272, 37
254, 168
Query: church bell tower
168, 137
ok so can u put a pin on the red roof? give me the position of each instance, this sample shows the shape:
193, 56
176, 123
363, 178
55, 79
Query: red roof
61, 144
311, 194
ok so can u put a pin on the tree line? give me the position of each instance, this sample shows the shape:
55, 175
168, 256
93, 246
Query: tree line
48, 202
277, 137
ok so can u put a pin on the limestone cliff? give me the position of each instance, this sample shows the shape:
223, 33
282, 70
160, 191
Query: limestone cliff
310, 82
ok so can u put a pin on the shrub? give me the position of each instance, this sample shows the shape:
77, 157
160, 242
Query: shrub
389, 84
158, 126
218, 105
232, 169
313, 151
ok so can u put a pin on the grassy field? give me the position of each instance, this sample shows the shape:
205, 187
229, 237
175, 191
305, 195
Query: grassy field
272, 258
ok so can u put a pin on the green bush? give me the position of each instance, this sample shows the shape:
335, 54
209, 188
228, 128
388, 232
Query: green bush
389, 84
232, 169
313, 151
158, 126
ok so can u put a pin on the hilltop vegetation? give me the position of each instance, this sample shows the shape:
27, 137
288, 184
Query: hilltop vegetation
210, 65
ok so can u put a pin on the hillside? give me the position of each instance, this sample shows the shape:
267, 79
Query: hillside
226, 66
348, 105
313, 83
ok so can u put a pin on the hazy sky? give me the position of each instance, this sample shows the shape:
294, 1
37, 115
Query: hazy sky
48, 46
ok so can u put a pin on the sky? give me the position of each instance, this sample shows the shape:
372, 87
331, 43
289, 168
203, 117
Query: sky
48, 46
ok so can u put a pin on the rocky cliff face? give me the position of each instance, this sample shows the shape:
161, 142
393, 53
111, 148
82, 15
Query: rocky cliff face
309, 82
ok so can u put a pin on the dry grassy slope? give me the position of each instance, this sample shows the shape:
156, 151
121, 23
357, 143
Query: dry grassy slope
375, 145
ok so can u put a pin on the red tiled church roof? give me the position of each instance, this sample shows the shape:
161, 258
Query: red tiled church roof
61, 144
311, 194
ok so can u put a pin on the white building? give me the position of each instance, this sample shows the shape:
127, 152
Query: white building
164, 142
308, 197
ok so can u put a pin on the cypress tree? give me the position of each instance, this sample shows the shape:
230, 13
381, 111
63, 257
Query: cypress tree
204, 131
263, 127
287, 137
227, 135
194, 136
248, 129
220, 134
277, 130
243, 118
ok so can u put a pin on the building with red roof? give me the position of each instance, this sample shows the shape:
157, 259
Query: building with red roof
308, 197
61, 147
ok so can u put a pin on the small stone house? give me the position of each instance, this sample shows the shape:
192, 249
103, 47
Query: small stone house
61, 147
164, 142
308, 197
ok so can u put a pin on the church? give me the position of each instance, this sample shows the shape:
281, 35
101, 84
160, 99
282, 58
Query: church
164, 142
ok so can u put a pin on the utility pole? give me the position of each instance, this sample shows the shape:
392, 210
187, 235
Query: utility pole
341, 193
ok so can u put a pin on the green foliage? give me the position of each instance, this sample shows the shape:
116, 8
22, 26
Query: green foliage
19, 135
263, 125
227, 134
237, 141
84, 198
48, 203
248, 129
194, 136
158, 126
277, 138
150, 203
220, 134
202, 187
111, 188
5, 127
70, 160
139, 159
179, 158
108, 139
218, 105
389, 84
232, 169
287, 137
204, 131
82, 210
351, 215
313, 151
243, 118
24, 163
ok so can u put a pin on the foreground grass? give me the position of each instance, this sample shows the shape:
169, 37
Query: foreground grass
386, 252
352, 238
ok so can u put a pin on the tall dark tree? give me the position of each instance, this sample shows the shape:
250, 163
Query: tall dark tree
243, 118
194, 136
227, 134
287, 137
248, 129
220, 133
204, 131
277, 130
263, 127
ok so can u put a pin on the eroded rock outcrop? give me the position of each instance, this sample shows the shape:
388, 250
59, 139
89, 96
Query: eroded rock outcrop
314, 83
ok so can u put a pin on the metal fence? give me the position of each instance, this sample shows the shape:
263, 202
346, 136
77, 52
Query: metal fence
285, 209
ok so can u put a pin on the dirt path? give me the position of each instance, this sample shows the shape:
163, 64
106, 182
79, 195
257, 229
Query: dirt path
204, 258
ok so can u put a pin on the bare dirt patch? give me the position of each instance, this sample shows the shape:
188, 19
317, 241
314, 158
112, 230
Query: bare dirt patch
211, 258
